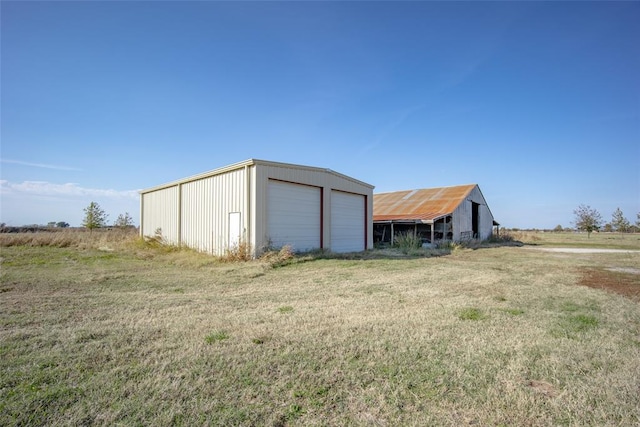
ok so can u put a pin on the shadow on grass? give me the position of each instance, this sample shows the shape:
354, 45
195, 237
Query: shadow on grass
392, 253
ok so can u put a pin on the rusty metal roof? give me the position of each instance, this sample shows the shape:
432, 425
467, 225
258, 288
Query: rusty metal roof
427, 204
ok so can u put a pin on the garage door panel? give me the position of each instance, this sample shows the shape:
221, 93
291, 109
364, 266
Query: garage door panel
347, 222
293, 215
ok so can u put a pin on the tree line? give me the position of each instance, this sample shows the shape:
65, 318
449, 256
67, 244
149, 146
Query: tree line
589, 219
94, 217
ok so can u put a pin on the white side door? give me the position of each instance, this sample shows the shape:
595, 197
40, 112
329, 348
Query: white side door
235, 229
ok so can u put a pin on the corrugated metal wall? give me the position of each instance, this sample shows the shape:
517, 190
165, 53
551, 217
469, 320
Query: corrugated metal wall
462, 221
206, 205
160, 211
462, 217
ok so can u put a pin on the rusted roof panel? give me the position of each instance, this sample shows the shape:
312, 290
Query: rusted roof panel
427, 204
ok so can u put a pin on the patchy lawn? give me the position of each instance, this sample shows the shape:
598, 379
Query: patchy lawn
498, 336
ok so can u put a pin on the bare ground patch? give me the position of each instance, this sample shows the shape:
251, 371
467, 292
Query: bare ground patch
543, 387
621, 281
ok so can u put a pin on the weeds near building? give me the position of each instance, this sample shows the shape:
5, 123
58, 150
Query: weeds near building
407, 242
238, 252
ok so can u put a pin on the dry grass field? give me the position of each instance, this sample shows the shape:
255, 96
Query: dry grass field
105, 330
579, 240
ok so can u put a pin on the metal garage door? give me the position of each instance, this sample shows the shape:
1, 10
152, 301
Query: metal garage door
347, 222
293, 215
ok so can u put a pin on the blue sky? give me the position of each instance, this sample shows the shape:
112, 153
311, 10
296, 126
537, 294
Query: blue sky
537, 102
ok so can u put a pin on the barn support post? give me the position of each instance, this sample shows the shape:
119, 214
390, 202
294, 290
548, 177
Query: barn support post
392, 235
433, 234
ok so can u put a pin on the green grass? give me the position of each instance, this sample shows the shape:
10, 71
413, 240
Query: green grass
513, 311
216, 336
139, 336
471, 313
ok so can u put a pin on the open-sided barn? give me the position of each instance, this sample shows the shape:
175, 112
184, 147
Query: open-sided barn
447, 213
263, 204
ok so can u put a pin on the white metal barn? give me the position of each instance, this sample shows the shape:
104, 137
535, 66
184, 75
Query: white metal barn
265, 204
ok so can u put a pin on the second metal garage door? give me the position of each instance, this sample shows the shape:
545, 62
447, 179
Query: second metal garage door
293, 215
347, 222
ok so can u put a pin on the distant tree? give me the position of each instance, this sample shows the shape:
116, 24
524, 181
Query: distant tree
558, 228
608, 228
51, 224
94, 216
124, 220
619, 222
62, 224
587, 219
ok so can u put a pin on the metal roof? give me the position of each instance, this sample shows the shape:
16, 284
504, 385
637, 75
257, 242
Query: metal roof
424, 205
251, 162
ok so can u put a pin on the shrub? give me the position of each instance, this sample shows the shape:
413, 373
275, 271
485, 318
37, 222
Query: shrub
449, 245
278, 258
238, 253
158, 241
407, 242
504, 237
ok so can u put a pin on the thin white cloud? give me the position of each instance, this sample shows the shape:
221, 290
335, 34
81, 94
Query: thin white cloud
42, 188
394, 124
39, 165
